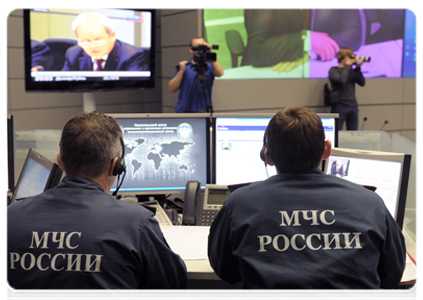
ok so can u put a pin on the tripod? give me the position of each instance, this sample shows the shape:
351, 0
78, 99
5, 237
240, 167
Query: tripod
200, 78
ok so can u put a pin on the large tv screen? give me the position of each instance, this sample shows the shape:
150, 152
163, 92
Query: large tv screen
88, 49
302, 43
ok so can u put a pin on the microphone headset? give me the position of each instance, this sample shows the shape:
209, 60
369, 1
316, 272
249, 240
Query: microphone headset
263, 149
263, 158
120, 168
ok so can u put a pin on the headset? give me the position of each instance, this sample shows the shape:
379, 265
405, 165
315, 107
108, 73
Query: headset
263, 149
263, 158
120, 168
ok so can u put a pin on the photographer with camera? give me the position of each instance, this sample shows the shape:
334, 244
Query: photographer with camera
343, 79
194, 78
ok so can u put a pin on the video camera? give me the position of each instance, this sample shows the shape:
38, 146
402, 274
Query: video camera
201, 57
203, 53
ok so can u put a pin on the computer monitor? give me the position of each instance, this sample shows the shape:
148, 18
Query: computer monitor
164, 151
38, 174
56, 61
238, 139
387, 171
9, 159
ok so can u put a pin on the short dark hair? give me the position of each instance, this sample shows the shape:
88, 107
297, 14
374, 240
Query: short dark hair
344, 51
89, 143
194, 38
295, 139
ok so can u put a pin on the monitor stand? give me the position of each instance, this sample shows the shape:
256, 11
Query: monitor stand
89, 102
159, 198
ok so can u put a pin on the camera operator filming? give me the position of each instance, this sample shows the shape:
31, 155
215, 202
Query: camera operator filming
343, 79
194, 78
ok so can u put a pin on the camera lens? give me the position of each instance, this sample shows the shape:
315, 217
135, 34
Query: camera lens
364, 58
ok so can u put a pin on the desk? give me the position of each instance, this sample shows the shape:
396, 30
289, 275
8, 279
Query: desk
198, 266
190, 242
196, 259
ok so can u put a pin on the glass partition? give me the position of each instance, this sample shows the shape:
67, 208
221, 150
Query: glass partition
364, 140
403, 145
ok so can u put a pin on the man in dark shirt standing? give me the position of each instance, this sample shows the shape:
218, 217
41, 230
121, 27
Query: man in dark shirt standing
343, 79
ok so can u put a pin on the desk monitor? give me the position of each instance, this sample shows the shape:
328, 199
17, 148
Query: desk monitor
9, 159
164, 151
238, 139
38, 174
387, 171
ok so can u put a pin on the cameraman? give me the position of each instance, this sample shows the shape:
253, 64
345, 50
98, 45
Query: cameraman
343, 79
185, 75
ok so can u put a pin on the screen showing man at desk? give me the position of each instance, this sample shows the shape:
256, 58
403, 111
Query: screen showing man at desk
75, 48
302, 43
163, 154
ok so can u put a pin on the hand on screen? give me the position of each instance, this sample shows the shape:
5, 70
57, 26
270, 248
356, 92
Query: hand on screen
288, 66
323, 45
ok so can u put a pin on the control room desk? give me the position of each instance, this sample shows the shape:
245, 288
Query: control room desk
190, 242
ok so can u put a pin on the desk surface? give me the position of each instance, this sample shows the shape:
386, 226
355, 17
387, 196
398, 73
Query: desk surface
196, 259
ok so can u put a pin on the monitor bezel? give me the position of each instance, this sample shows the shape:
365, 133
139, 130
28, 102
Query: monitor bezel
403, 158
87, 86
10, 154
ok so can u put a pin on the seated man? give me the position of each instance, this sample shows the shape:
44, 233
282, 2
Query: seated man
302, 228
99, 49
77, 235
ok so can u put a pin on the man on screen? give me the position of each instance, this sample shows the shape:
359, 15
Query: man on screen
99, 49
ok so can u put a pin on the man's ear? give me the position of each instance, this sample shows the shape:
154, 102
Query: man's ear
112, 166
328, 149
59, 161
267, 157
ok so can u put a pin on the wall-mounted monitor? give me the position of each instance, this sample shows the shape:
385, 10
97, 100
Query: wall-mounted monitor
302, 43
238, 139
387, 171
86, 50
164, 151
9, 159
38, 174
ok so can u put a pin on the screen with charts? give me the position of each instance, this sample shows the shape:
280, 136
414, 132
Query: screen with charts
238, 141
386, 171
163, 153
302, 43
